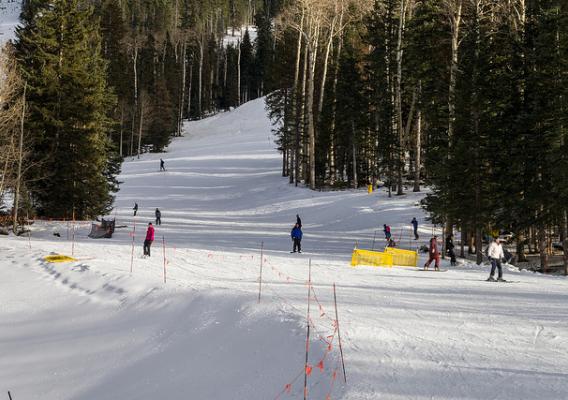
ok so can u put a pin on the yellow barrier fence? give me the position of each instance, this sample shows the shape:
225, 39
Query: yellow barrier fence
371, 258
58, 258
403, 258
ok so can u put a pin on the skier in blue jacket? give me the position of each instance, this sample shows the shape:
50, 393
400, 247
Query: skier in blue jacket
297, 238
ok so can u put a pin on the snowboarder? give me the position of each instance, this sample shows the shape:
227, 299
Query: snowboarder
135, 208
297, 238
433, 254
414, 223
298, 221
149, 239
162, 167
387, 231
496, 254
158, 217
450, 250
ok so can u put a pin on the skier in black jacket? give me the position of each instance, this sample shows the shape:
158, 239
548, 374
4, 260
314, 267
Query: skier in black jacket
450, 250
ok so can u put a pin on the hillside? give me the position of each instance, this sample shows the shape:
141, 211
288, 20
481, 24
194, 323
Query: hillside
92, 330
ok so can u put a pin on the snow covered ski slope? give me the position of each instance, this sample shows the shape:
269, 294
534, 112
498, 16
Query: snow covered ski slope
92, 330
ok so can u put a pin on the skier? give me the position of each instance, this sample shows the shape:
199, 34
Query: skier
135, 208
162, 167
298, 221
450, 250
414, 223
496, 254
158, 217
433, 254
297, 238
149, 239
387, 231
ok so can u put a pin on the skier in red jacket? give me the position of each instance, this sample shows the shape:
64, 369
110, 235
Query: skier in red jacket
433, 254
149, 239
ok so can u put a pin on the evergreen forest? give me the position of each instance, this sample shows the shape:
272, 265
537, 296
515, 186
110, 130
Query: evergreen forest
466, 99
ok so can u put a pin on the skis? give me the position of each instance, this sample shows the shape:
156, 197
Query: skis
432, 270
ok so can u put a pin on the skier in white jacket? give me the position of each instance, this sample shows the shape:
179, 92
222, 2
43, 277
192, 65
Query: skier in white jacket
496, 254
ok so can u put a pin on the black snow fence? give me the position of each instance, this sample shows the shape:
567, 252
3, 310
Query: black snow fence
104, 230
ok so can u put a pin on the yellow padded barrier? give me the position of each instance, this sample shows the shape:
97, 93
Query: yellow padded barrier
59, 258
372, 258
403, 258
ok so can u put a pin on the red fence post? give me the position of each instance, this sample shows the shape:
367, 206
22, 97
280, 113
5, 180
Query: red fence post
164, 251
132, 254
339, 334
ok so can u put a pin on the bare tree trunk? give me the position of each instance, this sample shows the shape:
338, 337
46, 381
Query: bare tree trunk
455, 19
332, 169
542, 248
189, 89
312, 54
20, 160
121, 128
398, 98
463, 240
225, 66
200, 80
296, 102
239, 73
140, 126
183, 77
354, 151
135, 107
135, 67
478, 244
325, 68
301, 120
418, 148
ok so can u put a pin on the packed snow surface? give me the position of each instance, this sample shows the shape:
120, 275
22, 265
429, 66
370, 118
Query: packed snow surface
94, 330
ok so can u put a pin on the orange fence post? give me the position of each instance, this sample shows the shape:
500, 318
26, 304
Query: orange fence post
260, 275
306, 373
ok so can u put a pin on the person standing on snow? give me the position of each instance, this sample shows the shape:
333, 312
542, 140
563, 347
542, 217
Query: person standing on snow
414, 223
433, 254
450, 249
496, 254
158, 217
135, 208
297, 238
387, 231
162, 167
149, 239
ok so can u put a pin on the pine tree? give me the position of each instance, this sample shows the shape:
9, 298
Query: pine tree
69, 103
